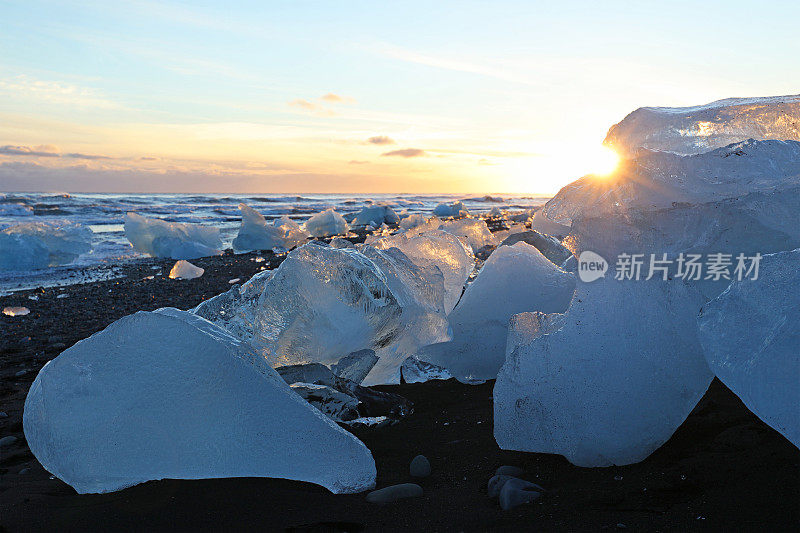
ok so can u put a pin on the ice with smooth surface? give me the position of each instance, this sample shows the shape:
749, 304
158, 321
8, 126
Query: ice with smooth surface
609, 381
256, 234
185, 270
326, 224
16, 311
751, 338
412, 221
376, 215
355, 366
472, 231
168, 395
34, 245
693, 130
513, 280
440, 249
175, 240
453, 209
548, 245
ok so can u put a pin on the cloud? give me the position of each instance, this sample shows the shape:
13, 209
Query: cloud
337, 99
148, 158
405, 152
46, 150
53, 92
380, 139
357, 162
311, 107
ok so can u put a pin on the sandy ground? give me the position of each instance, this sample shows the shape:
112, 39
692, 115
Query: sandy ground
723, 470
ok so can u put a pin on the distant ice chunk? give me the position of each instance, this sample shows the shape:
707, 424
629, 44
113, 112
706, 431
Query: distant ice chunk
472, 231
256, 234
414, 370
697, 129
175, 240
34, 245
185, 270
168, 395
496, 212
608, 382
751, 338
376, 215
326, 224
453, 209
412, 221
514, 279
440, 249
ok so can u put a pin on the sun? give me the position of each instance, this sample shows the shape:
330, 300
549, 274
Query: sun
600, 160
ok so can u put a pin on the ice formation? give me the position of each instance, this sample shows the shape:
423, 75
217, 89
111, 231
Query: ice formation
440, 249
235, 310
376, 215
355, 366
608, 382
256, 234
549, 246
175, 240
514, 279
185, 270
415, 371
34, 245
323, 303
453, 209
412, 221
472, 231
751, 338
326, 224
169, 395
16, 311
693, 130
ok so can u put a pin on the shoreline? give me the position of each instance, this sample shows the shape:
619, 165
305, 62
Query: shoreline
723, 468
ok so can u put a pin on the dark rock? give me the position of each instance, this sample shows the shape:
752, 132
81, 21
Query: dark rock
420, 466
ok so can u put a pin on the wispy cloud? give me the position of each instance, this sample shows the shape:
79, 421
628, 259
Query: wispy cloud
405, 152
46, 150
332, 98
311, 107
381, 140
55, 92
357, 162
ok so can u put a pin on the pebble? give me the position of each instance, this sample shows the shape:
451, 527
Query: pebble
3, 414
496, 485
507, 470
8, 440
420, 466
394, 493
20, 373
517, 492
24, 471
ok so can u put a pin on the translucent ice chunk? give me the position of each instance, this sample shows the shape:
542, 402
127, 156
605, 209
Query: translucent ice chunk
175, 240
326, 224
256, 234
34, 245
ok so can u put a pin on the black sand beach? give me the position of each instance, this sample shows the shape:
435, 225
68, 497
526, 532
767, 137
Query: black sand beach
723, 470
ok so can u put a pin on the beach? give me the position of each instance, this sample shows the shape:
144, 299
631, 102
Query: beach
723, 469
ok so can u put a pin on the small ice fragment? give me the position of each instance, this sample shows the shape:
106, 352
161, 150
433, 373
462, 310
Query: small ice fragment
16, 311
234, 280
185, 270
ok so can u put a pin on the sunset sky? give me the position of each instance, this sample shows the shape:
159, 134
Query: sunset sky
460, 97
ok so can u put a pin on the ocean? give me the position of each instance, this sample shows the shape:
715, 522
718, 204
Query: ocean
104, 215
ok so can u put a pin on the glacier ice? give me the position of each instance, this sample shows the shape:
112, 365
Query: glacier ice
376, 215
453, 209
514, 279
609, 381
175, 240
34, 245
326, 224
693, 130
185, 270
167, 394
751, 339
256, 234
472, 231
235, 310
413, 370
16, 311
548, 245
412, 221
440, 249
355, 366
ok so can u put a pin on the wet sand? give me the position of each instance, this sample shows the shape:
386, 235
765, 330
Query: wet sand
723, 470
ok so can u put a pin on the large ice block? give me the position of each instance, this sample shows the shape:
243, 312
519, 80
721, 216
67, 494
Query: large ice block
175, 240
168, 394
256, 234
33, 245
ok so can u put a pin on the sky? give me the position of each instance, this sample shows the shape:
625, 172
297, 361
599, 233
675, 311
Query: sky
359, 97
